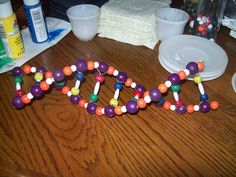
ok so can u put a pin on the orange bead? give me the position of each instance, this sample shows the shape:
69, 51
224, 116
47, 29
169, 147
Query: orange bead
118, 110
67, 70
200, 66
214, 105
25, 99
163, 88
110, 70
99, 111
44, 85
90, 65
182, 75
65, 90
167, 105
82, 102
27, 69
48, 74
141, 103
146, 93
128, 82
190, 108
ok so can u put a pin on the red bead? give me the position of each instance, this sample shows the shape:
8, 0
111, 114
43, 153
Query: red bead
99, 78
20, 92
179, 103
138, 93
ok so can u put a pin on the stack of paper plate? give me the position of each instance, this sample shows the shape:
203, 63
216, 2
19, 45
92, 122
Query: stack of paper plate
177, 51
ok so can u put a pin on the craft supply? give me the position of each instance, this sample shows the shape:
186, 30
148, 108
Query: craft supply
2, 50
36, 21
205, 17
141, 97
9, 31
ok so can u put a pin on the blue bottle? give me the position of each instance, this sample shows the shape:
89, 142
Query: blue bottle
36, 21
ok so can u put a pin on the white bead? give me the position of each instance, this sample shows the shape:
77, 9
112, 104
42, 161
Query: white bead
49, 81
147, 99
53, 80
123, 109
96, 88
168, 84
201, 89
69, 93
33, 69
196, 108
116, 72
18, 86
133, 85
30, 96
210, 26
73, 68
199, 18
176, 96
136, 97
191, 24
172, 107
96, 64
117, 93
103, 110
77, 84
187, 72
85, 105
201, 22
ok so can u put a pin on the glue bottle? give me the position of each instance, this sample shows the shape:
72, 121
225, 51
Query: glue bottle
36, 22
9, 31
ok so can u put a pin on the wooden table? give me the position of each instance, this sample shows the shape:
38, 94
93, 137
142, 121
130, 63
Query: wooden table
52, 137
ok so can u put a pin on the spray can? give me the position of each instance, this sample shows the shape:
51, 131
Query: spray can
9, 31
36, 22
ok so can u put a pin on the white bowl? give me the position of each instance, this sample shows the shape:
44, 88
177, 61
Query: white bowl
84, 20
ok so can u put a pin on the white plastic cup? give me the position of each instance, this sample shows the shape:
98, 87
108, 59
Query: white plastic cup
84, 20
170, 22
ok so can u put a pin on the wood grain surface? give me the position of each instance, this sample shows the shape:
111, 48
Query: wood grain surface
52, 137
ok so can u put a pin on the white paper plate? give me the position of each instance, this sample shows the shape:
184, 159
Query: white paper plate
205, 78
179, 50
234, 82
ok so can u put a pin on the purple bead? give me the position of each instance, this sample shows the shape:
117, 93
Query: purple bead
103, 67
36, 91
41, 70
174, 79
17, 71
140, 88
192, 67
155, 94
74, 99
121, 77
131, 106
91, 108
81, 65
181, 110
204, 106
17, 103
110, 111
58, 75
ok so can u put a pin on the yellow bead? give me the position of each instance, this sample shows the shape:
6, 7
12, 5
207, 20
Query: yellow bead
114, 102
75, 91
38, 76
197, 79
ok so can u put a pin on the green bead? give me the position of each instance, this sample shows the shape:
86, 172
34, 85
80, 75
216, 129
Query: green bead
175, 88
134, 99
62, 83
18, 79
93, 97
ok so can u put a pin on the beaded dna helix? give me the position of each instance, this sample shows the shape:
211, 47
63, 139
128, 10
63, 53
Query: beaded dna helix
44, 80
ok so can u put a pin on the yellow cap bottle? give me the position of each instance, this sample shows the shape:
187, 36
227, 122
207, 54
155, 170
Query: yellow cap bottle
9, 31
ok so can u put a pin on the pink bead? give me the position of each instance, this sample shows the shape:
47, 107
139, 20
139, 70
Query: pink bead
179, 103
99, 78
